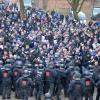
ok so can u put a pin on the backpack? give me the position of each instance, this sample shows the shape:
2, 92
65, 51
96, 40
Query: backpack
47, 73
15, 73
87, 82
24, 82
78, 85
5, 74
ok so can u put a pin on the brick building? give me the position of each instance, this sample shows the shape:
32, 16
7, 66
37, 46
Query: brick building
63, 6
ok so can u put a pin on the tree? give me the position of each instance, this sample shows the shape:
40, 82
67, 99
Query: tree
22, 9
76, 6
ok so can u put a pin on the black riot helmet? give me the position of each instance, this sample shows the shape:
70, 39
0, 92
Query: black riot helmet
1, 62
10, 61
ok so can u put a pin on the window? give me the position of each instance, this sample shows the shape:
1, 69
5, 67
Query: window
28, 3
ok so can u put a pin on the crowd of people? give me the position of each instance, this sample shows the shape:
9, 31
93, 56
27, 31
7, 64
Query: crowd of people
51, 42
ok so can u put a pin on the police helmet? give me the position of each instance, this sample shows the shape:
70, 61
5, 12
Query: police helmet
1, 62
27, 63
87, 74
19, 63
77, 68
9, 61
17, 57
7, 66
77, 76
50, 65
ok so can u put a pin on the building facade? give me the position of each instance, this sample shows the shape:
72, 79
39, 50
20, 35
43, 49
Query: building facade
63, 6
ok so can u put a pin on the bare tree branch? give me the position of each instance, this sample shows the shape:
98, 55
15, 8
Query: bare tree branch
80, 7
69, 2
76, 6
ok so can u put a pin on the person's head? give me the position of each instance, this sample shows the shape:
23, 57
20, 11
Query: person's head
77, 76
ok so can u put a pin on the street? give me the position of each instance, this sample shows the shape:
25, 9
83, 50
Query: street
62, 97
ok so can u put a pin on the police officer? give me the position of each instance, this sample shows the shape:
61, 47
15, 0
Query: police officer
88, 86
39, 82
49, 78
59, 79
75, 89
96, 72
31, 73
17, 73
24, 83
1, 65
98, 89
69, 76
6, 82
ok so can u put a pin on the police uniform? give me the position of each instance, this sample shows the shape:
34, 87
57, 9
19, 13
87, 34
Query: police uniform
75, 89
6, 82
24, 83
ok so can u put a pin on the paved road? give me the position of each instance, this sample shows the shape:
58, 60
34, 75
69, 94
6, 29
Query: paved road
62, 97
12, 98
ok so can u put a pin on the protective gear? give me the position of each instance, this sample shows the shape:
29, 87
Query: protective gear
6, 83
19, 63
59, 76
28, 64
17, 73
24, 84
75, 90
1, 80
89, 87
7, 66
76, 75
39, 84
50, 65
9, 61
1, 62
98, 89
49, 80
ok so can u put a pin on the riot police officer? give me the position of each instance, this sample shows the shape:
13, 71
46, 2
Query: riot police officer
69, 77
49, 79
59, 74
88, 86
6, 82
24, 83
1, 66
31, 73
39, 82
75, 89
98, 88
17, 73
